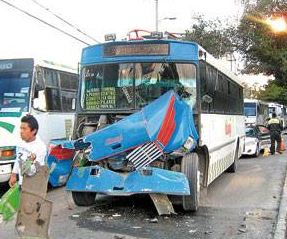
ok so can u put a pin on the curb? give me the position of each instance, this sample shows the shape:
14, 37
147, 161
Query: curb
280, 225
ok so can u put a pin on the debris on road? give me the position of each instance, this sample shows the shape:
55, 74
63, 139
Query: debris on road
153, 220
192, 231
117, 215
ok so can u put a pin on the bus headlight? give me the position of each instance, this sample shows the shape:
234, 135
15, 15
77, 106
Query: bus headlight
189, 143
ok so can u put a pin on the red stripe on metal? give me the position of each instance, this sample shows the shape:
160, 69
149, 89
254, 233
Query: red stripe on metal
168, 124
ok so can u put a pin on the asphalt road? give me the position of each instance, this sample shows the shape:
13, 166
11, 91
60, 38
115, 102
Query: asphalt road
240, 205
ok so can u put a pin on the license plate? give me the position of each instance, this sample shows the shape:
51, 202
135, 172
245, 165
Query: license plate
5, 168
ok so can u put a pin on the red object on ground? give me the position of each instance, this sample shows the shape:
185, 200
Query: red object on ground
282, 146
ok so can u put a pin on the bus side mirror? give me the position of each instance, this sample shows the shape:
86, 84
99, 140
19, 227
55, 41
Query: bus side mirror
39, 103
73, 104
207, 99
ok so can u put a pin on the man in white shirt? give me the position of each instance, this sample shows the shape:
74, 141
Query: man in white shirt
31, 149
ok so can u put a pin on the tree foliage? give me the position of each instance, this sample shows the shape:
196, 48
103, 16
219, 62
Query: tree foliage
273, 93
214, 35
264, 51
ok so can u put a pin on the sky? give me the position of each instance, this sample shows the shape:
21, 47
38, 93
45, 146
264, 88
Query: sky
23, 36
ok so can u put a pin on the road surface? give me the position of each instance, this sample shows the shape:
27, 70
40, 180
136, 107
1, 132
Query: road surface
240, 205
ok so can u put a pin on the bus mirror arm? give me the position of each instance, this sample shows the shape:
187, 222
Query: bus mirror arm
73, 104
37, 105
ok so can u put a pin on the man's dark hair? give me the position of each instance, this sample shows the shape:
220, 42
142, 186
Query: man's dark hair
31, 121
274, 115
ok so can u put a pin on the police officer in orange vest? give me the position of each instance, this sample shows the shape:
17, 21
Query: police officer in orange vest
275, 126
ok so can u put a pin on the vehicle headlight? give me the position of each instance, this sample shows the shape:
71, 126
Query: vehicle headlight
190, 143
7, 153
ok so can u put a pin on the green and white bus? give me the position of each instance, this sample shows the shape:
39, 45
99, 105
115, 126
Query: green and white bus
41, 88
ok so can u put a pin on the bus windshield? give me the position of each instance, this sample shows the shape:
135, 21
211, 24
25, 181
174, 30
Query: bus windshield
14, 91
250, 109
134, 85
271, 110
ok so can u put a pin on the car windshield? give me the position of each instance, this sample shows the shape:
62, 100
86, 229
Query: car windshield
250, 132
134, 85
14, 91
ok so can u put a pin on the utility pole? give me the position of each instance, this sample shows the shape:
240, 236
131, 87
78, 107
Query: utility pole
156, 15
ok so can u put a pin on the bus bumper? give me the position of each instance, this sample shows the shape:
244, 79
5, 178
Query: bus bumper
149, 180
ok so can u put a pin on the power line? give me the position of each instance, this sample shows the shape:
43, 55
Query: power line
50, 25
65, 21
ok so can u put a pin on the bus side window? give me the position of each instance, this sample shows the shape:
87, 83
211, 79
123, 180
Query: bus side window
203, 85
53, 98
39, 100
69, 86
39, 82
211, 77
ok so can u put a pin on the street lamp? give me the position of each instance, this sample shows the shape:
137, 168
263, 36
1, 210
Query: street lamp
156, 15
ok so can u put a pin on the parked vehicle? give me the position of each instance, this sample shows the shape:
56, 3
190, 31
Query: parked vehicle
257, 139
43, 89
255, 111
280, 111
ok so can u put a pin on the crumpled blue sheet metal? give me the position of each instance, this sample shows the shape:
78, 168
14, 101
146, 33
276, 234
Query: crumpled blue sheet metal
60, 169
167, 121
101, 180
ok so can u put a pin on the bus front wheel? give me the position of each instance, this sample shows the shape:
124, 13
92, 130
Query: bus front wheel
84, 198
189, 166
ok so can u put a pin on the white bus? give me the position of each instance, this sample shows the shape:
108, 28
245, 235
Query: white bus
222, 128
256, 112
41, 88
280, 111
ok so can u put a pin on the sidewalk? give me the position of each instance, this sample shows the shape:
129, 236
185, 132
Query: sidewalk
280, 226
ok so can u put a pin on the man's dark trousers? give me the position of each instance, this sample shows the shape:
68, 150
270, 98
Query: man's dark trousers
275, 137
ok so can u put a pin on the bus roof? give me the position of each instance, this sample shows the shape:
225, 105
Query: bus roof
256, 101
55, 66
29, 62
160, 50
273, 104
220, 66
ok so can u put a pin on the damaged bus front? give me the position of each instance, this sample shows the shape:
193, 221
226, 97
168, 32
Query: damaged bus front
137, 127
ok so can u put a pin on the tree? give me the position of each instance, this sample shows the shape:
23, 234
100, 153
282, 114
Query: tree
264, 50
274, 93
213, 35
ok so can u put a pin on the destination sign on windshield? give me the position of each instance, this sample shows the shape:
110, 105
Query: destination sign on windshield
136, 49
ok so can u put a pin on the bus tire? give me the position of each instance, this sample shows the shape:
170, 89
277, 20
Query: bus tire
189, 166
233, 167
84, 198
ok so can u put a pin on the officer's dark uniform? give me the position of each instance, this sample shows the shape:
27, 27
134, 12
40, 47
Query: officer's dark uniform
275, 127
